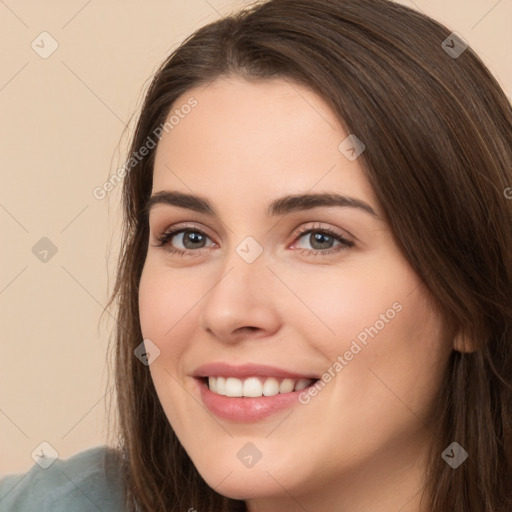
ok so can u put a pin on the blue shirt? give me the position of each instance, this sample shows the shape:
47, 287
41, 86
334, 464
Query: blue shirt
90, 481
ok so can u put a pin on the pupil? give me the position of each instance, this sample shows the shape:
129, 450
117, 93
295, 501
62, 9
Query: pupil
192, 237
322, 239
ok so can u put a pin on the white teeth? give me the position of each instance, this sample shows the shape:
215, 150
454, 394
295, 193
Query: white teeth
286, 386
212, 384
220, 385
301, 384
271, 387
234, 387
254, 387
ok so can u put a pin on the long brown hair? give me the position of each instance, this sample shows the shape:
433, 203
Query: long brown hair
438, 134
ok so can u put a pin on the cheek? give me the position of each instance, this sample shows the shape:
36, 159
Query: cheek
166, 305
383, 325
354, 303
411, 357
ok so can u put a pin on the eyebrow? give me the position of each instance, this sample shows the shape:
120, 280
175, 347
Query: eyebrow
280, 206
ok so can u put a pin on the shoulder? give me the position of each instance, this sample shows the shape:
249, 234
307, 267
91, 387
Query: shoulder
89, 481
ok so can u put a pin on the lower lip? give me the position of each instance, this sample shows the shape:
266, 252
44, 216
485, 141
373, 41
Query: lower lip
246, 409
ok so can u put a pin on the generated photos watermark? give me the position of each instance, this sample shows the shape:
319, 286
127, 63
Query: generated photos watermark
343, 360
173, 120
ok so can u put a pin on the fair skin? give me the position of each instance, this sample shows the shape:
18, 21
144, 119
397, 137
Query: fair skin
359, 444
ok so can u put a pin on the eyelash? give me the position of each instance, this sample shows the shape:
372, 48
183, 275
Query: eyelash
165, 238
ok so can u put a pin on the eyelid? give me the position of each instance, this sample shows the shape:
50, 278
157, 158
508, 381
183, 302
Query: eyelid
303, 229
182, 226
324, 226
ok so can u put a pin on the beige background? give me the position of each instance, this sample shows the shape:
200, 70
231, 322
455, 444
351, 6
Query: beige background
61, 126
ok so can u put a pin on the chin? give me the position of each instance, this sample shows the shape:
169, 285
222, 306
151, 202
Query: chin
243, 485
226, 474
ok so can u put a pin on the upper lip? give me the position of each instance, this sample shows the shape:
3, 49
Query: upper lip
248, 370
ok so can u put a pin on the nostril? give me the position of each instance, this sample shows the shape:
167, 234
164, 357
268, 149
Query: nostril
248, 328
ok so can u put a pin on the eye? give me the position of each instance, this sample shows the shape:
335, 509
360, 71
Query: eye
189, 238
322, 241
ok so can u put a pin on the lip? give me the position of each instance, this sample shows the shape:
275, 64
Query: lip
221, 369
247, 409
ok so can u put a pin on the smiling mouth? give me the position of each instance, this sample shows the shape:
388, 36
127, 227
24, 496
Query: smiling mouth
255, 387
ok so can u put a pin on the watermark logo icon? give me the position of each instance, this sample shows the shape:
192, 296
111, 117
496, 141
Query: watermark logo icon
249, 249
44, 45
44, 455
249, 455
351, 147
44, 250
454, 455
147, 352
454, 45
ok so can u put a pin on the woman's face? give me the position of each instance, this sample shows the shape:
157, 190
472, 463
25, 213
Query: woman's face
285, 271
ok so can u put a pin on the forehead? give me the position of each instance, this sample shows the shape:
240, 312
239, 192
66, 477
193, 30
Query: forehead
255, 139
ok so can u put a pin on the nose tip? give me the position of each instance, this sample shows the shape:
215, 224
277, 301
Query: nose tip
240, 306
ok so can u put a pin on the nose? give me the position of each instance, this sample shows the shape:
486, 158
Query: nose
242, 303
